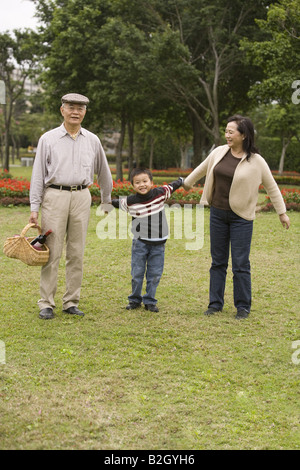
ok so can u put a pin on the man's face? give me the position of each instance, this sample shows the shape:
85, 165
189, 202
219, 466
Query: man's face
72, 113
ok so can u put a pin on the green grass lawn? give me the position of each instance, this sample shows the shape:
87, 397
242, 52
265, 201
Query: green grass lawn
136, 380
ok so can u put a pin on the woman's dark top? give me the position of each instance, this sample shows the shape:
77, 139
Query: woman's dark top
223, 175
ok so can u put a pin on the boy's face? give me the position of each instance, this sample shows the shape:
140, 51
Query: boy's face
142, 183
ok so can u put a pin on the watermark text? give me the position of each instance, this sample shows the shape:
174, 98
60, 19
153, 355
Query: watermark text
296, 94
296, 354
182, 223
2, 352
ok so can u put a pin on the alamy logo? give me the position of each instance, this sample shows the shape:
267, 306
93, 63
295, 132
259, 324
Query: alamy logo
296, 354
296, 94
2, 352
184, 224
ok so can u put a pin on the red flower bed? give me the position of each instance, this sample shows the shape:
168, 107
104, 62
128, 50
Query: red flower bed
290, 195
291, 198
10, 187
288, 177
15, 191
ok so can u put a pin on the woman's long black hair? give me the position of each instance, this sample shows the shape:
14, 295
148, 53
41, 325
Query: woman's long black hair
245, 127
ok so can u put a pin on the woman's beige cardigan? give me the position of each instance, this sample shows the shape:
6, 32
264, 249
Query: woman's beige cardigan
248, 176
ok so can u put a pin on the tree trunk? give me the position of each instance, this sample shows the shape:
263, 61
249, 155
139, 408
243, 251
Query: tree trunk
285, 145
151, 152
1, 151
197, 157
130, 127
6, 149
14, 148
120, 149
184, 161
7, 120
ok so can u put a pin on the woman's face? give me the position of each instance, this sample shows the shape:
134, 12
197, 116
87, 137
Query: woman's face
233, 137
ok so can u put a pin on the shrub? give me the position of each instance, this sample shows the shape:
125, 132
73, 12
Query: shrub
291, 198
5, 174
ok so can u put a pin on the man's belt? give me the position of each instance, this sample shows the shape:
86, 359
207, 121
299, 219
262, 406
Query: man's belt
68, 188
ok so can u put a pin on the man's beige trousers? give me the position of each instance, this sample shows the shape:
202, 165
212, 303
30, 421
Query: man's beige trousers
67, 214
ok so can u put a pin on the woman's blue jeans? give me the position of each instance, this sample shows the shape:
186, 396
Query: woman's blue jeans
228, 230
149, 259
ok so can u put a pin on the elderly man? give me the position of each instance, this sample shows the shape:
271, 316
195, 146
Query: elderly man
66, 160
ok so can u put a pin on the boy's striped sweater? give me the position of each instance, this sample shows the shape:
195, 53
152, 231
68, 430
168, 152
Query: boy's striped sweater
149, 223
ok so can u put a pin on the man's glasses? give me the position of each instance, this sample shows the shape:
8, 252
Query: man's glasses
73, 107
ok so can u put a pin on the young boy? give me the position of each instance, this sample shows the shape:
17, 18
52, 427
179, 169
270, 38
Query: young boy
150, 233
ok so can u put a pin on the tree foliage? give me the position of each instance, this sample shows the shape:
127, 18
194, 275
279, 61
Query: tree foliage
17, 63
172, 68
138, 58
278, 56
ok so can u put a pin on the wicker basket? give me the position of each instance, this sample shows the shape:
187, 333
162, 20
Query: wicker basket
19, 247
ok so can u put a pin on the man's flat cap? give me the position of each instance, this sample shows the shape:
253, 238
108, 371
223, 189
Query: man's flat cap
75, 98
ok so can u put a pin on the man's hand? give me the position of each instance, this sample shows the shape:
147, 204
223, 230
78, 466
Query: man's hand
33, 219
106, 207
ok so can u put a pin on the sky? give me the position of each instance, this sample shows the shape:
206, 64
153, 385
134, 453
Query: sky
17, 14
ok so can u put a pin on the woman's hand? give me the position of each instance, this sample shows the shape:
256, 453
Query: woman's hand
284, 219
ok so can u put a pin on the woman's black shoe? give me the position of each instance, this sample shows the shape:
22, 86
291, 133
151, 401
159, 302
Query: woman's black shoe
242, 314
211, 311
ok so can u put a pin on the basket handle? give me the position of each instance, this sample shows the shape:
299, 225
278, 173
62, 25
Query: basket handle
28, 226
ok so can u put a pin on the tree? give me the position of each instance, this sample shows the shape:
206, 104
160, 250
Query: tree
194, 58
198, 60
137, 58
103, 62
278, 56
17, 63
283, 122
122, 89
69, 49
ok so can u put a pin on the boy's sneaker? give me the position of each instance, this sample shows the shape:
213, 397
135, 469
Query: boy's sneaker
242, 313
151, 307
132, 305
211, 311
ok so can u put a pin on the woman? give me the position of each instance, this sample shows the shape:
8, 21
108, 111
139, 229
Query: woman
234, 173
